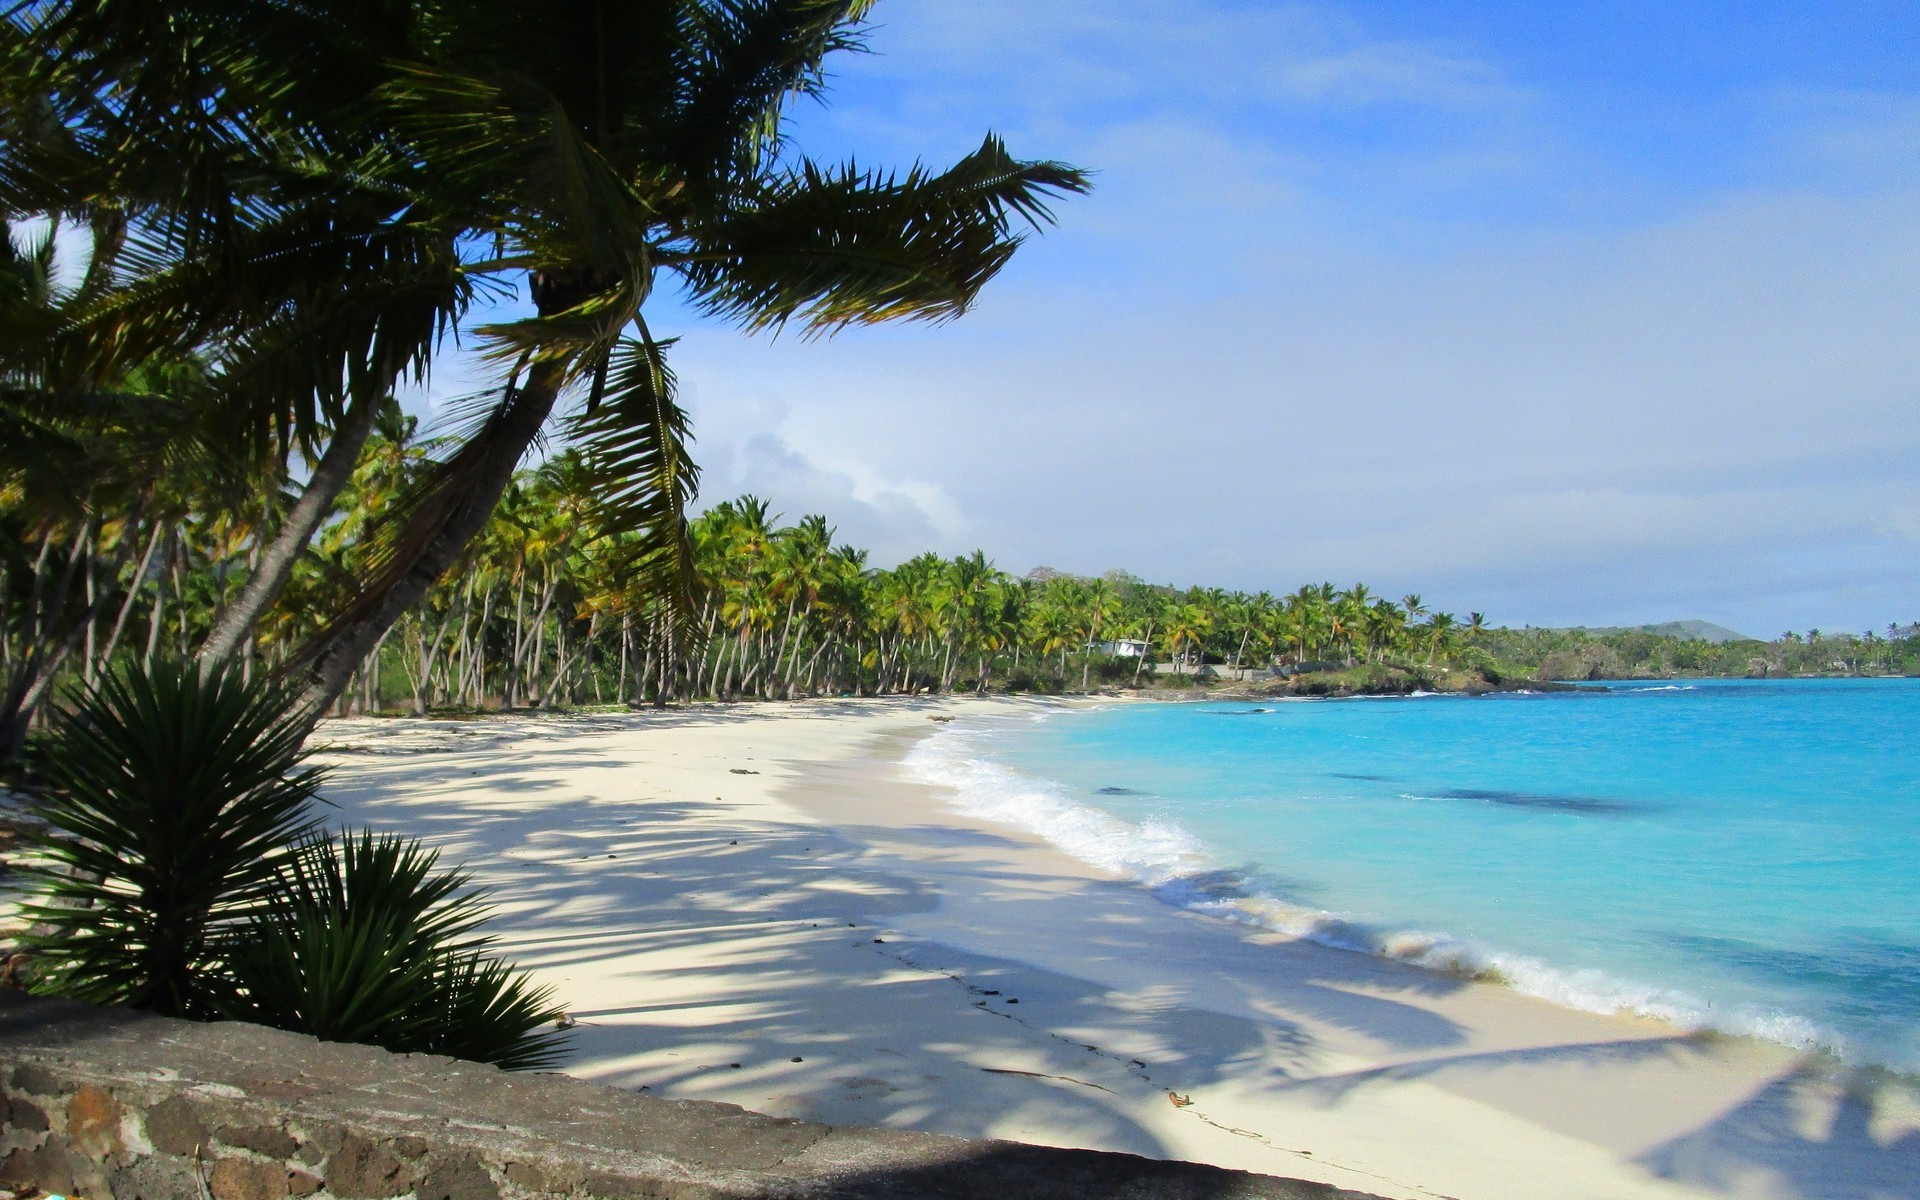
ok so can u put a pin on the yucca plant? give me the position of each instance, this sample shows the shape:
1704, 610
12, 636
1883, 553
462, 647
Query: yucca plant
365, 941
173, 796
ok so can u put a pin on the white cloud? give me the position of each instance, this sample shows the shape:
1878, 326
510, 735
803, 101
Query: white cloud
1551, 422
1403, 72
747, 442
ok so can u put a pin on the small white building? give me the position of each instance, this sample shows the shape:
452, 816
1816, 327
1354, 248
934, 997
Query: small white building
1121, 648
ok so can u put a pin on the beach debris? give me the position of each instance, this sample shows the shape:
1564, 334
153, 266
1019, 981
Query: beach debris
13, 972
1013, 999
797, 1058
565, 1021
879, 941
1178, 1100
741, 771
941, 720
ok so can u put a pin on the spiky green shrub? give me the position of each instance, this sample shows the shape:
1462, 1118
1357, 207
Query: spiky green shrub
366, 942
183, 874
174, 797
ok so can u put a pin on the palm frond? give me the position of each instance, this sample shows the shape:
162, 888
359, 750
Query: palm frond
748, 59
640, 474
473, 134
842, 247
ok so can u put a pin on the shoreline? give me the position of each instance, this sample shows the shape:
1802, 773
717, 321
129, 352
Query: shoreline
854, 920
1169, 874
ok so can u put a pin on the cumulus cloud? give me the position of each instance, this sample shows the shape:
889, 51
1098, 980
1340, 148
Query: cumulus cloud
747, 442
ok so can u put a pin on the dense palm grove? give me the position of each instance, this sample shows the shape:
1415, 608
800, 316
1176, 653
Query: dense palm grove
538, 612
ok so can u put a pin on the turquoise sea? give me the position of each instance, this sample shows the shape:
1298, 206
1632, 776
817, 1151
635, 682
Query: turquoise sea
1741, 855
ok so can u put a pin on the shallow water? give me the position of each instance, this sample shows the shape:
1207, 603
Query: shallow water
1743, 855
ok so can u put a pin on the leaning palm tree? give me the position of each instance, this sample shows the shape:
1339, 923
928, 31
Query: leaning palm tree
595, 146
583, 146
242, 224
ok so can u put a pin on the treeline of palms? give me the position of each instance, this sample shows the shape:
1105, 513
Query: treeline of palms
541, 610
1570, 653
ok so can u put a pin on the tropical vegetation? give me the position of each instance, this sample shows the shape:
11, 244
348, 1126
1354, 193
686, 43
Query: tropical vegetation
234, 229
183, 871
539, 611
237, 226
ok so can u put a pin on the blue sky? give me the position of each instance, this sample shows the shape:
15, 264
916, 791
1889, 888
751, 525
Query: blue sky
1564, 312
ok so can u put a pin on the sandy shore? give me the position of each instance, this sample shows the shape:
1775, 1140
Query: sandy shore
751, 904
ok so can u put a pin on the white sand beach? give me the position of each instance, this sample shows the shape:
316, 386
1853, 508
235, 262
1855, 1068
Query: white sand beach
751, 904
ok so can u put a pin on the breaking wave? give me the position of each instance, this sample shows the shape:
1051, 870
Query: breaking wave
1179, 870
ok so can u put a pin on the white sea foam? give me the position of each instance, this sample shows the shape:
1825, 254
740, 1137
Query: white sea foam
1175, 866
1151, 852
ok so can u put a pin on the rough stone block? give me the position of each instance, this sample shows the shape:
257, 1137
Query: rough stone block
462, 1178
356, 1123
37, 1080
605, 1186
45, 1166
544, 1177
317, 1143
261, 1139
24, 1114
409, 1147
245, 1179
93, 1122
155, 1178
364, 1170
175, 1128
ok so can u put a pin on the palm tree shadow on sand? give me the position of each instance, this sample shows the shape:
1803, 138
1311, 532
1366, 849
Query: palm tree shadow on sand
750, 947
1808, 1142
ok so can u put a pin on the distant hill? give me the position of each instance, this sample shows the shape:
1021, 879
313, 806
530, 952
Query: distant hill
1706, 631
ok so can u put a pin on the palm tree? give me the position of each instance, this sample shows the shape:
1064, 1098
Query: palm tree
586, 146
1439, 639
1187, 626
101, 454
1100, 604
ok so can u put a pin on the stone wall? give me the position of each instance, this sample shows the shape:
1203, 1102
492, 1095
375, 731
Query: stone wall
104, 1102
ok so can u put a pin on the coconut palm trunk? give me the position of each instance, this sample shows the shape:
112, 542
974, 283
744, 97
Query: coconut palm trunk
277, 558
440, 528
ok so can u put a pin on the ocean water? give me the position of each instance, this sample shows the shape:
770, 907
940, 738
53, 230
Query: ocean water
1739, 855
